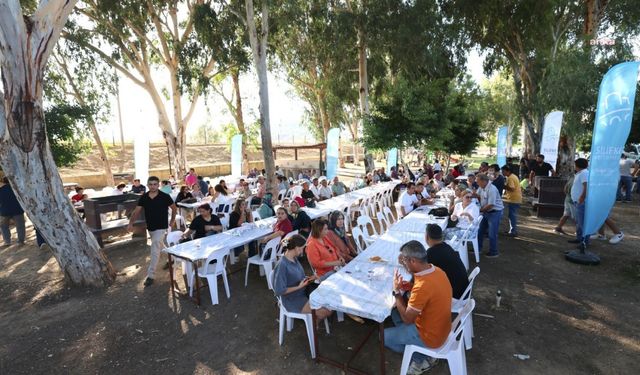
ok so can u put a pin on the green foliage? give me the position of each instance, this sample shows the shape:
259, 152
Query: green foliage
440, 115
66, 133
499, 103
252, 130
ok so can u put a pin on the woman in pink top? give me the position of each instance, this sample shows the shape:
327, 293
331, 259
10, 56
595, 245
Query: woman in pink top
191, 177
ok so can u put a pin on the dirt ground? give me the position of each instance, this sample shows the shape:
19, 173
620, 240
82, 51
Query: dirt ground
569, 319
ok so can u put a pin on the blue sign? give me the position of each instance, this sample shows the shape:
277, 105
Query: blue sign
333, 145
502, 146
610, 132
392, 159
236, 155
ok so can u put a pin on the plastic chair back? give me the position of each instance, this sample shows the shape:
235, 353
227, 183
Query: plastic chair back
359, 239
173, 238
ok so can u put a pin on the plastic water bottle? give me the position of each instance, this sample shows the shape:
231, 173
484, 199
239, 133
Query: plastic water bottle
498, 298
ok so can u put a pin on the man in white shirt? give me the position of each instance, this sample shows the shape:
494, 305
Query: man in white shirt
408, 200
625, 178
315, 188
324, 192
437, 167
491, 207
578, 196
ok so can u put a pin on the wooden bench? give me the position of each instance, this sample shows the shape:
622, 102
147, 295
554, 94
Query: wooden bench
550, 201
122, 205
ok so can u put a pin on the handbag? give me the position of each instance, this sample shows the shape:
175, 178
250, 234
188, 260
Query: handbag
439, 211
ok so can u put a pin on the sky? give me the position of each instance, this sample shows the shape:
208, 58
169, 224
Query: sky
140, 118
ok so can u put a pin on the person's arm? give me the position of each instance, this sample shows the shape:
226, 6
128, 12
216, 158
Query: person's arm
407, 314
174, 210
134, 217
490, 201
584, 193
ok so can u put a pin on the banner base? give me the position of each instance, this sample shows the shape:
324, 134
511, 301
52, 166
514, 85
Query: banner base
579, 257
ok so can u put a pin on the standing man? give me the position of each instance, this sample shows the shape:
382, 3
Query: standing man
155, 204
513, 199
625, 179
425, 318
437, 167
491, 207
497, 179
10, 209
578, 196
540, 168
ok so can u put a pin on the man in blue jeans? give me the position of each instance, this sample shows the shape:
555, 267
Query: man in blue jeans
425, 318
10, 209
578, 196
626, 179
491, 207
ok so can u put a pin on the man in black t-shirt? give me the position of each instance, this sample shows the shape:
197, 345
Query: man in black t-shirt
156, 205
540, 168
444, 257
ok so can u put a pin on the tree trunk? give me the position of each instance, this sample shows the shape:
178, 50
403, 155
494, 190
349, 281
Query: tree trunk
369, 165
122, 149
566, 156
108, 175
24, 151
259, 49
238, 116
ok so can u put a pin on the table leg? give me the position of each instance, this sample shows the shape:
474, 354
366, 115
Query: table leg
381, 339
197, 281
171, 281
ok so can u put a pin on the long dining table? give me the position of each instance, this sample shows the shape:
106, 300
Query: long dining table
363, 287
198, 250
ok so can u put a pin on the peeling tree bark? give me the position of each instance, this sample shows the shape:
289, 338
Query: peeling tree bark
259, 49
25, 46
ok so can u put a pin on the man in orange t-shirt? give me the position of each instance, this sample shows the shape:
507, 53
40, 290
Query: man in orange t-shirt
425, 319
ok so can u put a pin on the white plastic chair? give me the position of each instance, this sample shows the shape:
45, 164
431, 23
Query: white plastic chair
346, 212
172, 239
290, 316
452, 349
262, 260
384, 223
389, 215
458, 304
281, 248
281, 194
211, 271
471, 235
457, 245
359, 239
369, 236
256, 215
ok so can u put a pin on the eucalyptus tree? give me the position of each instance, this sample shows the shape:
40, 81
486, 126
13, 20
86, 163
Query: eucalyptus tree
143, 38
26, 42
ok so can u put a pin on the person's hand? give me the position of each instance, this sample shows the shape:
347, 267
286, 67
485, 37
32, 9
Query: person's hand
397, 280
304, 282
341, 260
581, 200
454, 217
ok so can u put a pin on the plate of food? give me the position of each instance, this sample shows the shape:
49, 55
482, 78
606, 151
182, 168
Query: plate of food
377, 259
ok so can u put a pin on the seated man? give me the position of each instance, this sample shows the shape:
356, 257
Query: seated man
425, 319
338, 187
408, 200
444, 257
324, 191
137, 187
422, 195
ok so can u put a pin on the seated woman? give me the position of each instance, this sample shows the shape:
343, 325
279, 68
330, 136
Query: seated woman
183, 194
204, 224
322, 254
195, 191
223, 183
266, 209
301, 221
463, 214
338, 236
289, 281
241, 214
220, 198
281, 227
285, 205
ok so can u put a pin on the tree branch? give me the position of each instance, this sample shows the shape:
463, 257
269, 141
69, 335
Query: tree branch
163, 42
107, 59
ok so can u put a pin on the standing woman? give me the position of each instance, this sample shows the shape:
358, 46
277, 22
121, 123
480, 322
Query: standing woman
338, 236
322, 254
301, 221
289, 281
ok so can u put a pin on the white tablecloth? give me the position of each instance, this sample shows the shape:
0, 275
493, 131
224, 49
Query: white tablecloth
417, 221
203, 247
363, 287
